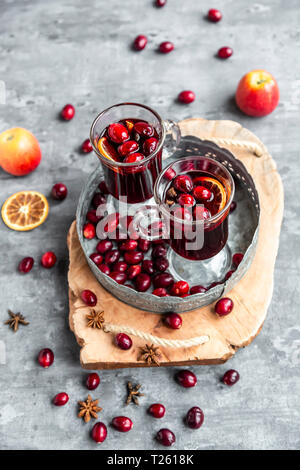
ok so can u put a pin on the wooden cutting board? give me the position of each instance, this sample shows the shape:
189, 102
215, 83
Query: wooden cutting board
251, 295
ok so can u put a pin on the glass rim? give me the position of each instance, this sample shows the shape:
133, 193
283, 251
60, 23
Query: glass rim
194, 222
113, 163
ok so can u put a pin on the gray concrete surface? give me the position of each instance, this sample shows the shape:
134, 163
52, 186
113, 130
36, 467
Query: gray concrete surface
72, 51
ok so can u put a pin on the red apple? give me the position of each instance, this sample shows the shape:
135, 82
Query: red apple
20, 152
257, 93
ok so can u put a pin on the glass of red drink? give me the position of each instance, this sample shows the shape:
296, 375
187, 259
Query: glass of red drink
129, 139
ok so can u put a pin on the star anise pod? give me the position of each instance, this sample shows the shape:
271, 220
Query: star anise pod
88, 409
150, 354
95, 319
15, 320
133, 393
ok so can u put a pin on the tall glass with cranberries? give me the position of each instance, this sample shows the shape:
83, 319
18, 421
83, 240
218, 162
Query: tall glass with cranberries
129, 139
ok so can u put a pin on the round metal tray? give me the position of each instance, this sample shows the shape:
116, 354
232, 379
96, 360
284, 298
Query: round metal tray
243, 232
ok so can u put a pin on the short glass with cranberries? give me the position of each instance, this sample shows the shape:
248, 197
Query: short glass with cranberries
128, 139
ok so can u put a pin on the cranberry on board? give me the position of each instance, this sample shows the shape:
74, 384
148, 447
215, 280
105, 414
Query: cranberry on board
186, 97
48, 259
122, 423
186, 378
89, 231
165, 437
214, 15
140, 42
157, 410
117, 133
224, 306
173, 320
166, 47
99, 432
195, 417
61, 399
183, 183
59, 191
88, 297
46, 357
86, 146
68, 112
92, 381
26, 265
231, 377
225, 52
123, 341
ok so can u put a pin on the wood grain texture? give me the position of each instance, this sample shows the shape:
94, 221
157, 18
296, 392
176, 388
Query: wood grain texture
251, 295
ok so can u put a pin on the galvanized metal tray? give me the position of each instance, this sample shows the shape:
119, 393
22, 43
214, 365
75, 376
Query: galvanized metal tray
243, 232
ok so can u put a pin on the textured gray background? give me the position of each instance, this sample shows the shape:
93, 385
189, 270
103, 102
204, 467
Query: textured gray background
79, 52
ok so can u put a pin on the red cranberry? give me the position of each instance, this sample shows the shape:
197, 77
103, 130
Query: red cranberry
201, 213
169, 174
197, 290
224, 306
59, 191
149, 146
86, 146
97, 258
231, 377
186, 96
103, 188
174, 321
46, 358
98, 200
68, 112
232, 206
147, 266
159, 251
92, 216
166, 437
133, 257
48, 259
140, 42
118, 276
122, 423
180, 288
26, 265
186, 200
99, 432
160, 3
89, 231
61, 399
225, 52
129, 245
214, 15
237, 259
228, 275
133, 271
134, 158
112, 257
160, 292
144, 129
157, 410
163, 280
111, 222
128, 147
183, 183
144, 245
201, 193
88, 297
92, 381
142, 282
161, 264
104, 268
104, 246
166, 47
118, 133
186, 378
120, 266
195, 418
123, 341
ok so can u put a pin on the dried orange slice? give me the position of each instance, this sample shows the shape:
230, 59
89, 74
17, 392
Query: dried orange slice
129, 125
107, 150
25, 210
220, 197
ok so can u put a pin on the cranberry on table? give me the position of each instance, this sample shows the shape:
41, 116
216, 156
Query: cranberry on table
186, 97
133, 257
157, 410
92, 381
186, 378
104, 268
61, 399
232, 206
195, 417
68, 112
89, 231
112, 256
225, 52
88, 297
214, 15
48, 259
96, 258
99, 432
183, 183
161, 264
118, 276
197, 290
140, 42
174, 321
201, 193
128, 147
237, 259
165, 437
26, 265
180, 288
86, 146
123, 341
46, 358
142, 282
163, 280
133, 271
148, 266
122, 423
144, 245
103, 246
166, 47
186, 200
231, 377
59, 191
149, 146
224, 306
160, 3
160, 292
